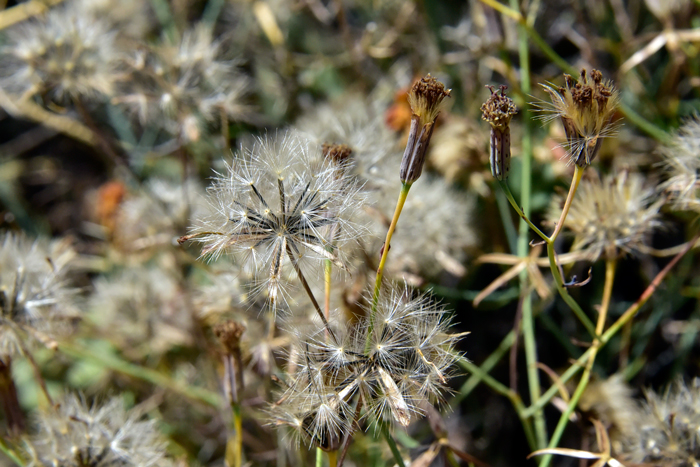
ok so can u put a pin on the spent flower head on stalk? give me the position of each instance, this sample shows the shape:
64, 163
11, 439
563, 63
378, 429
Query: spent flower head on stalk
64, 55
280, 201
36, 300
610, 216
586, 108
497, 111
682, 163
78, 434
425, 98
406, 363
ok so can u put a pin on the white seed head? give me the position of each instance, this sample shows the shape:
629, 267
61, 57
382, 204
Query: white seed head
682, 164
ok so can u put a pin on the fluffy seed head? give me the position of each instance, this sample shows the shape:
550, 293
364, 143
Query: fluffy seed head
66, 55
668, 432
280, 202
391, 367
36, 301
682, 164
80, 435
610, 216
586, 109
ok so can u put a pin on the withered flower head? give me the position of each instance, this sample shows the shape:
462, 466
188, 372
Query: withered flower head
498, 110
425, 98
229, 334
586, 108
338, 153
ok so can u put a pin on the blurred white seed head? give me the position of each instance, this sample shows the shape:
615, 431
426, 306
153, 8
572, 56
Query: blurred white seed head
156, 216
682, 163
36, 300
142, 310
668, 432
180, 88
612, 216
79, 434
358, 124
65, 55
280, 202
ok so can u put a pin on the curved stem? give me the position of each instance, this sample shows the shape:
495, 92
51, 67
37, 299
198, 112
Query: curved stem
578, 173
509, 195
403, 194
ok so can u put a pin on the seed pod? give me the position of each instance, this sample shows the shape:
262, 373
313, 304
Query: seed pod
498, 110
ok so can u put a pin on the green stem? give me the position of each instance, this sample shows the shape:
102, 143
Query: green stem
513, 396
9, 452
154, 377
509, 195
403, 194
528, 327
488, 364
392, 445
319, 457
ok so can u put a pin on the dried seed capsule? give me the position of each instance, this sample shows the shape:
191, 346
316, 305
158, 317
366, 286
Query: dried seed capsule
425, 99
498, 110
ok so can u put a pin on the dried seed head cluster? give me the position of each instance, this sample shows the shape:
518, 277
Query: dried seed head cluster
36, 300
668, 429
682, 164
391, 368
66, 55
80, 435
586, 108
280, 202
611, 216
179, 88
498, 110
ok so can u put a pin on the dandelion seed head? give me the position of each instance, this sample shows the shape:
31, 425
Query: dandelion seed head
681, 159
179, 88
78, 434
36, 298
612, 216
279, 203
66, 55
143, 309
668, 432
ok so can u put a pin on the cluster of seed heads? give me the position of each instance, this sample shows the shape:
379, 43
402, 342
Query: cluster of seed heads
388, 366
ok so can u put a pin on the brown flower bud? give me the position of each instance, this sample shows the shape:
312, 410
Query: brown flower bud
338, 153
498, 110
425, 98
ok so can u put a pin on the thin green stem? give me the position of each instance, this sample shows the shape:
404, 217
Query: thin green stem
319, 457
154, 377
403, 194
511, 199
575, 181
528, 328
600, 325
392, 445
559, 283
473, 381
9, 452
513, 396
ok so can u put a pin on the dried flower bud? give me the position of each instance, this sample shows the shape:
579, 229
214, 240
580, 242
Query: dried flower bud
498, 110
338, 153
425, 98
586, 109
229, 334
